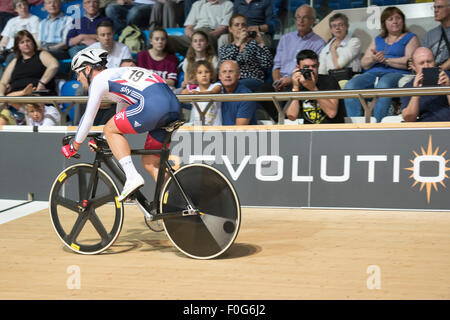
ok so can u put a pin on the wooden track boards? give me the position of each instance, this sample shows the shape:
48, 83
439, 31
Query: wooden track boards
279, 254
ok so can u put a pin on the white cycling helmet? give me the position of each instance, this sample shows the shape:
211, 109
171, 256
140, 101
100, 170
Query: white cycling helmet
86, 57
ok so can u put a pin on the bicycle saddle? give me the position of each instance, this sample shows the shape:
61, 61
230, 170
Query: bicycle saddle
172, 126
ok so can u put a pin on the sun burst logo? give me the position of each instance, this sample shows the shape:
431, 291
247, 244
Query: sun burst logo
429, 182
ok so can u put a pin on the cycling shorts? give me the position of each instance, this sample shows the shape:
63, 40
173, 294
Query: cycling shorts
157, 107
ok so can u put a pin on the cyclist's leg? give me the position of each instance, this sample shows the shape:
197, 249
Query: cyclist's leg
165, 108
117, 142
153, 142
114, 130
151, 165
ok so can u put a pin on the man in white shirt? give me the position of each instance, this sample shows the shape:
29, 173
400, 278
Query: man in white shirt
24, 20
211, 16
116, 51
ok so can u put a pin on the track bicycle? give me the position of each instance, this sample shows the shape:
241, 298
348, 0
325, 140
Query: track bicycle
196, 204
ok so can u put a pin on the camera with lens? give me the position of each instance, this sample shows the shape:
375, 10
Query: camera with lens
306, 73
251, 34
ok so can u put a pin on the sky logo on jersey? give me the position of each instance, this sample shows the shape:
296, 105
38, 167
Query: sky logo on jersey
120, 115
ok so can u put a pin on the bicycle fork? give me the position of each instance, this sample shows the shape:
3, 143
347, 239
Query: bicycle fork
90, 191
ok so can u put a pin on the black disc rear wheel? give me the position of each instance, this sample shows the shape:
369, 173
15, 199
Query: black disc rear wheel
211, 232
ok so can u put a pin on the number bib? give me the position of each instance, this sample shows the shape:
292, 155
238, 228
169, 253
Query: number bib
140, 78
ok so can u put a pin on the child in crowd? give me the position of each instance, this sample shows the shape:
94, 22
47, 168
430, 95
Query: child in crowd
200, 49
42, 115
204, 74
160, 58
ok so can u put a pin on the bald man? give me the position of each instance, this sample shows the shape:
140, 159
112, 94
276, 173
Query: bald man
425, 108
285, 61
235, 112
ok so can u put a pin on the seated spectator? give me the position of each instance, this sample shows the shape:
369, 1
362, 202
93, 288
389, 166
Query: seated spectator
306, 77
260, 16
103, 4
160, 57
127, 12
42, 115
385, 62
84, 32
24, 21
6, 12
200, 49
292, 43
437, 39
116, 51
29, 69
53, 30
187, 5
249, 51
425, 108
342, 52
235, 112
210, 16
167, 14
204, 74
285, 58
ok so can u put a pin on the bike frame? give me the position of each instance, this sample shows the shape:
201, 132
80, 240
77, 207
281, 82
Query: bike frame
153, 208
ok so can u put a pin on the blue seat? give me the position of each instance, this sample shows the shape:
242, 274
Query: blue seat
69, 89
358, 4
146, 34
38, 10
180, 57
64, 66
175, 31
293, 5
73, 7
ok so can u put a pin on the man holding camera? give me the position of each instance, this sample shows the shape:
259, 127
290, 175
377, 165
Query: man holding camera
306, 78
248, 50
426, 108
284, 61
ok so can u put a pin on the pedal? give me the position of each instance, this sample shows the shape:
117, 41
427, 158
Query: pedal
154, 225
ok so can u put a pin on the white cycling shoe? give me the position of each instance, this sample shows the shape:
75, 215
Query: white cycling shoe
131, 186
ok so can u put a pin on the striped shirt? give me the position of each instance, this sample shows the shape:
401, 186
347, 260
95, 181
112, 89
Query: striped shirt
289, 45
54, 31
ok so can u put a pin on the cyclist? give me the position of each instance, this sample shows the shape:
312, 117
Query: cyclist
144, 103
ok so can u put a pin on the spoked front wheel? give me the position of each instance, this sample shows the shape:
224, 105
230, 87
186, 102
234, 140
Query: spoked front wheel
85, 212
211, 232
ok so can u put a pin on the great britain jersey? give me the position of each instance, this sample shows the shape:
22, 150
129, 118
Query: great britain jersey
143, 99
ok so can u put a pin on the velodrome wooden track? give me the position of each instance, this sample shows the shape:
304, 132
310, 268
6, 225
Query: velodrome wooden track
279, 254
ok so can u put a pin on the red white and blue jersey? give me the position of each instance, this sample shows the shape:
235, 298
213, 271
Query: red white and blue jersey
144, 101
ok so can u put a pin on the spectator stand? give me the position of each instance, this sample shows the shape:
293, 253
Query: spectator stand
68, 89
69, 8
